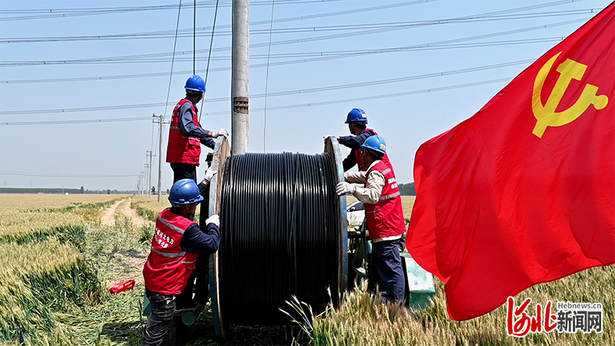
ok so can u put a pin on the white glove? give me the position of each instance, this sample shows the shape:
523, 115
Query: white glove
208, 175
344, 188
223, 132
215, 219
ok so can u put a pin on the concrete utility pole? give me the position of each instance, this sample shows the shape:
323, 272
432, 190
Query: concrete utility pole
149, 185
240, 94
145, 178
139, 186
159, 120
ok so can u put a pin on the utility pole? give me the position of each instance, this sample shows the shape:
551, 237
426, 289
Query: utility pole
240, 94
149, 185
139, 185
143, 183
159, 120
145, 178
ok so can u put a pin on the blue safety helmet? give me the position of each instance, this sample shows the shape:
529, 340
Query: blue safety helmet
185, 191
195, 83
375, 143
356, 114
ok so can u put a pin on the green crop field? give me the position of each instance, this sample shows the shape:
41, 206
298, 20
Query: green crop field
58, 259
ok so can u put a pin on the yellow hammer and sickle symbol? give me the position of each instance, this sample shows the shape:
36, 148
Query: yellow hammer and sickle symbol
545, 114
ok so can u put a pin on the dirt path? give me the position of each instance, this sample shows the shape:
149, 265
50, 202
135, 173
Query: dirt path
125, 263
136, 219
108, 218
122, 206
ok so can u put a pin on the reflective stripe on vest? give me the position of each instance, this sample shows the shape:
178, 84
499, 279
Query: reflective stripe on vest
182, 148
168, 224
170, 254
385, 219
168, 267
384, 198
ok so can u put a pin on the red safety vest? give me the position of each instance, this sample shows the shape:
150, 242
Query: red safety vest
181, 148
385, 219
168, 267
358, 154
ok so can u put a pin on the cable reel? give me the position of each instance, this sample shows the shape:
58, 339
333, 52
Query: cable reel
283, 232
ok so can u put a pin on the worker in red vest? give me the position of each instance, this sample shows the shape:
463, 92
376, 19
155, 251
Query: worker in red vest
177, 242
186, 134
357, 124
383, 213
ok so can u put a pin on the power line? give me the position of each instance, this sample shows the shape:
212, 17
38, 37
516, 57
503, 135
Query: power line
377, 97
311, 104
82, 121
57, 175
333, 55
141, 58
211, 44
206, 31
173, 60
315, 56
253, 66
267, 79
85, 11
280, 93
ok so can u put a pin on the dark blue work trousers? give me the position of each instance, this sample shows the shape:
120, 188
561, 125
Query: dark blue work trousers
163, 308
183, 171
386, 261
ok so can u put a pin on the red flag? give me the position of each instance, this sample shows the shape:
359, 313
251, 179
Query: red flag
523, 192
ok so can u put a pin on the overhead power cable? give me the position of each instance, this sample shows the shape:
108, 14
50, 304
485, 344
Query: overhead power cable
320, 56
376, 97
292, 106
420, 23
81, 121
211, 44
194, 39
280, 93
267, 79
34, 14
166, 104
206, 32
57, 175
141, 58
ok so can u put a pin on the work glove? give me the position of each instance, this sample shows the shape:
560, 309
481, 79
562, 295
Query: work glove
208, 175
336, 137
215, 219
344, 188
221, 132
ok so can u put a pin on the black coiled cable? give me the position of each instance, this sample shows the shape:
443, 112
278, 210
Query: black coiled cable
279, 218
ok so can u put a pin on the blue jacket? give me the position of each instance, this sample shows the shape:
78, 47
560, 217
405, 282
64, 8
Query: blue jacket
189, 128
354, 143
205, 240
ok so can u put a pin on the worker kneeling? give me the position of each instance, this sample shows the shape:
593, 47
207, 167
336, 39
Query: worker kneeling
384, 216
176, 244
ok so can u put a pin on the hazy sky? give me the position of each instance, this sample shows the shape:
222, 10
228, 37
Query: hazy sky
80, 80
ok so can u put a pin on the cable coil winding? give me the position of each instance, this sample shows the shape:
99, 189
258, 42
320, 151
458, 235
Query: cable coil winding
279, 235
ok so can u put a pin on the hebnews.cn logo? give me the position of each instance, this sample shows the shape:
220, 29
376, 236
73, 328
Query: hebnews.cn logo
570, 318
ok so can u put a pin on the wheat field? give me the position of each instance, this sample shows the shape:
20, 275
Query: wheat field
57, 262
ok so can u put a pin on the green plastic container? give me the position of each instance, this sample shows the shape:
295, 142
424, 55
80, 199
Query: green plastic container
420, 284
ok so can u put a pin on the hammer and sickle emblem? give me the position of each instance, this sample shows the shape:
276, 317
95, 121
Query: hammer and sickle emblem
545, 114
